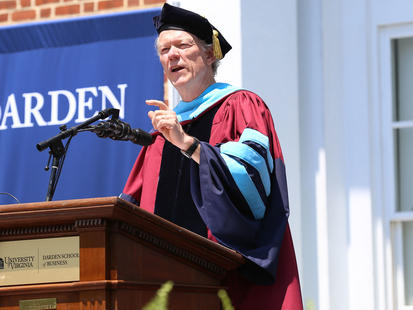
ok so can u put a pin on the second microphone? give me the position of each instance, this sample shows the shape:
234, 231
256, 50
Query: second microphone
118, 130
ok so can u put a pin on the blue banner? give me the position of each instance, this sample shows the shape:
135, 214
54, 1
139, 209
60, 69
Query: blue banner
63, 73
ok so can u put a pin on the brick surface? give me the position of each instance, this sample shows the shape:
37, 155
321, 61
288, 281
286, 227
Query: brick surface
25, 3
23, 15
133, 2
68, 9
4, 18
41, 2
110, 4
7, 4
154, 1
20, 11
89, 7
45, 12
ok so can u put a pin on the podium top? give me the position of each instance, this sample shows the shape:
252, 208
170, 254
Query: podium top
20, 220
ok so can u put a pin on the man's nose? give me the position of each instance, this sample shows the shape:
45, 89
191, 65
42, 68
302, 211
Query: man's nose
173, 52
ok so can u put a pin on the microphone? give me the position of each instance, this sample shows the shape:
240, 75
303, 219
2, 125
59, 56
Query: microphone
118, 130
73, 131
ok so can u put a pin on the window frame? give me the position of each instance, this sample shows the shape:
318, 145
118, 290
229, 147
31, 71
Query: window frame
392, 218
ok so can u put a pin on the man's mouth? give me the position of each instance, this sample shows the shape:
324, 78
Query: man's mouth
176, 68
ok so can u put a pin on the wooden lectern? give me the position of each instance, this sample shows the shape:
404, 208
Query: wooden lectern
124, 255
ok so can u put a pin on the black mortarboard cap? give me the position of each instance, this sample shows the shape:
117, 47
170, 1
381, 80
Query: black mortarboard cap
175, 18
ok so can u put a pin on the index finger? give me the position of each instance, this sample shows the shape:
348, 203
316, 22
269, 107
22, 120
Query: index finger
160, 104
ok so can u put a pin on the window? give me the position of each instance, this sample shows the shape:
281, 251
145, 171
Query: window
401, 141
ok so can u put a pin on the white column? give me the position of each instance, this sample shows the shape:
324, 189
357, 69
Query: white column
315, 237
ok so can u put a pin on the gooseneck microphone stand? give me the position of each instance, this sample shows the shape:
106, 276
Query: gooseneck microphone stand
58, 151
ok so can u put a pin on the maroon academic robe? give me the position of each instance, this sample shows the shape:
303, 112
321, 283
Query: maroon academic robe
212, 204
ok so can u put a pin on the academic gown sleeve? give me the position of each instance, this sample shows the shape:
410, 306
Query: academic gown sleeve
239, 187
140, 188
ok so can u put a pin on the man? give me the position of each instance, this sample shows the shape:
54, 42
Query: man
216, 166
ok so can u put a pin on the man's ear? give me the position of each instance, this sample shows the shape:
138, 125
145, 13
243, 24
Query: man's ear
210, 56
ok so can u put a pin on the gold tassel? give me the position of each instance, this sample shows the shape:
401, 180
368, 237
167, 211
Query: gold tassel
216, 45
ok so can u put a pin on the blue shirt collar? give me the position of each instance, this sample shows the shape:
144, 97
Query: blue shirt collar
187, 110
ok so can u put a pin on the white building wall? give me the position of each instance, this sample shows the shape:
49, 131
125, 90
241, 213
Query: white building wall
346, 101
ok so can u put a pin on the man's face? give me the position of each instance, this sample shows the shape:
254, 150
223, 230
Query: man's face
185, 62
